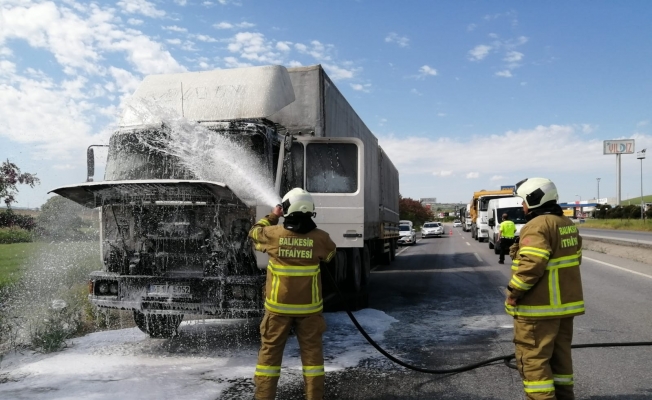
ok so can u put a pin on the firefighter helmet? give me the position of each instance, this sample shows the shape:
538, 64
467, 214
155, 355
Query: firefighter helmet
535, 192
297, 200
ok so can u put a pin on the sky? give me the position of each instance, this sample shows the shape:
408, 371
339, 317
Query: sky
463, 95
207, 358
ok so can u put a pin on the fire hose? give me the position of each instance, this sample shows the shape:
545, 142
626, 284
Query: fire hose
505, 358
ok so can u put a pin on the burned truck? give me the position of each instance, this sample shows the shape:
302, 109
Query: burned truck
175, 243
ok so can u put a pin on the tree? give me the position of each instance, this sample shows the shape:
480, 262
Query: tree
413, 210
60, 219
10, 176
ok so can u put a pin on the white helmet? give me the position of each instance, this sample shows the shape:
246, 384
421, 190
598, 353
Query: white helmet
536, 191
297, 200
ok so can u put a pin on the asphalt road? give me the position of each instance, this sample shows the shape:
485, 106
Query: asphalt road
446, 294
633, 236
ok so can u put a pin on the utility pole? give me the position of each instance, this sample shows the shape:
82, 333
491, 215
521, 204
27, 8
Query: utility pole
598, 199
641, 156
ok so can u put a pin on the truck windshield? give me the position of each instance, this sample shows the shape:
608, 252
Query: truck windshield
403, 227
516, 214
331, 167
131, 158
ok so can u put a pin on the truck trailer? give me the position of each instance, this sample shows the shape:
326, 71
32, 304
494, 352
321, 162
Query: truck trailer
478, 211
174, 244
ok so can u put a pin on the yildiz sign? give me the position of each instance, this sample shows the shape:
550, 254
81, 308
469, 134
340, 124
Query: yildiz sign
619, 146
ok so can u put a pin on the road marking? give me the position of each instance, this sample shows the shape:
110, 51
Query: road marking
617, 267
478, 257
467, 243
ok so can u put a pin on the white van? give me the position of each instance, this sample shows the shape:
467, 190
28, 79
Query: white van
511, 206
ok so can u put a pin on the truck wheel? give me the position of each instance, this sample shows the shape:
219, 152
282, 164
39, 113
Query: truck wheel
158, 325
491, 245
354, 271
385, 253
366, 265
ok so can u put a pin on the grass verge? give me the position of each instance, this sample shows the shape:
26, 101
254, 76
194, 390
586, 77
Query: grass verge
624, 224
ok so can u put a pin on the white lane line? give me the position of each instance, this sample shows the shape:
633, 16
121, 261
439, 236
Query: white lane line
617, 267
468, 244
478, 257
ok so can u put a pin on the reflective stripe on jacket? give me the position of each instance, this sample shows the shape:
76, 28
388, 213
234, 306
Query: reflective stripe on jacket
293, 285
546, 271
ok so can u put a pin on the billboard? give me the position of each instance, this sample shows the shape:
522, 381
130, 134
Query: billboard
619, 146
569, 212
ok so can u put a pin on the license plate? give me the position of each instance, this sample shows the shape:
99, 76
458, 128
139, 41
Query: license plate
169, 290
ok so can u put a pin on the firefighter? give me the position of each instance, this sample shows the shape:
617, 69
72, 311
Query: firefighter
506, 237
293, 292
545, 292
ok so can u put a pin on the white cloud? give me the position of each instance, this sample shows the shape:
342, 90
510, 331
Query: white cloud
294, 63
513, 56
284, 46
504, 73
497, 178
143, 7
472, 175
181, 2
204, 38
479, 52
442, 173
555, 146
641, 124
361, 87
175, 28
415, 91
228, 25
401, 41
441, 114
254, 47
338, 73
175, 42
427, 71
135, 21
471, 27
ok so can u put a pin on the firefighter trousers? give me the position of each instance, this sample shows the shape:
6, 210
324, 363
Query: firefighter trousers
274, 331
543, 357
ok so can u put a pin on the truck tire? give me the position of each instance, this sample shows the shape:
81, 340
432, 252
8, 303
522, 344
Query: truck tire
384, 252
366, 265
354, 271
158, 325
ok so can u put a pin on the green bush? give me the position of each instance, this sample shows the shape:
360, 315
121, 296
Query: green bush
14, 235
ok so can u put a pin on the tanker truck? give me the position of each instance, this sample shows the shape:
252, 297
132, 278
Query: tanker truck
175, 244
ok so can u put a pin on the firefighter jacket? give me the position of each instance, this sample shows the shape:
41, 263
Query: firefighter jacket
546, 270
293, 285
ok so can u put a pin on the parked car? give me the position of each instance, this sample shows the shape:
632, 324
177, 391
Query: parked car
430, 229
457, 223
407, 235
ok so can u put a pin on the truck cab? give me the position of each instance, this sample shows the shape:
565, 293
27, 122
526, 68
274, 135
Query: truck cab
511, 206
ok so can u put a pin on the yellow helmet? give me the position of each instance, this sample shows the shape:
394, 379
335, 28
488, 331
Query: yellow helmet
298, 200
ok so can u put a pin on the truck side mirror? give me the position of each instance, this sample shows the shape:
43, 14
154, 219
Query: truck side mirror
492, 222
90, 164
